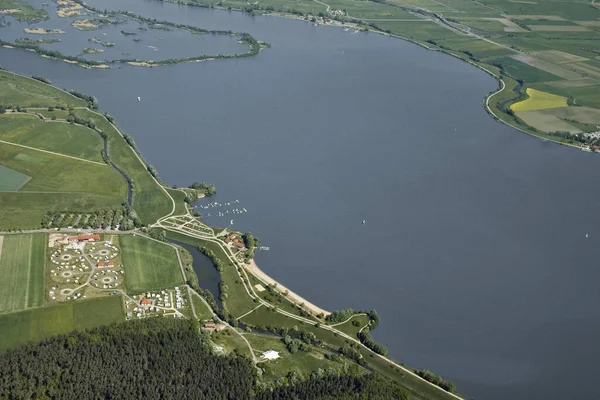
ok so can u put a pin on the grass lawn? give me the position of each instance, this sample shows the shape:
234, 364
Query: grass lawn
22, 272
11, 180
69, 139
202, 310
352, 330
231, 342
27, 92
149, 265
36, 324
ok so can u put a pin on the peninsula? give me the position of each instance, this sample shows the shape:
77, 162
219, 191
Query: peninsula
95, 251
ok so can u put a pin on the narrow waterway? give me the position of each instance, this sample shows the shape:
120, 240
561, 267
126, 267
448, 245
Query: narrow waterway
208, 276
474, 249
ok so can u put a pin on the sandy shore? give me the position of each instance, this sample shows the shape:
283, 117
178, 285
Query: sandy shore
42, 31
253, 268
84, 25
139, 64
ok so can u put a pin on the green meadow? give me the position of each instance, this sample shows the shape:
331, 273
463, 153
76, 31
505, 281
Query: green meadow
22, 262
149, 265
40, 323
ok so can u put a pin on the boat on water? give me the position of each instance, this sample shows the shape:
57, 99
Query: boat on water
139, 98
265, 248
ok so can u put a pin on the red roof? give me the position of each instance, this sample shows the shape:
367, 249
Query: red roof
93, 236
146, 301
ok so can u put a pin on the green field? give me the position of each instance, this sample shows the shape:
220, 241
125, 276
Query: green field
11, 180
149, 201
40, 323
28, 92
69, 139
22, 262
149, 265
57, 184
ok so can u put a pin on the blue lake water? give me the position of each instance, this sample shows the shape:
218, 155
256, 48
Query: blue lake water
474, 249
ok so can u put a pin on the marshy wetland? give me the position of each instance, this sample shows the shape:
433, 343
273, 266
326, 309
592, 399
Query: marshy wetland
85, 33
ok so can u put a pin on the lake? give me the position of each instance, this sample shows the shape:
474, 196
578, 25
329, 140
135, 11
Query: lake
473, 251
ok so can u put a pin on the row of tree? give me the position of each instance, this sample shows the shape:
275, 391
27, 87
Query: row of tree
123, 218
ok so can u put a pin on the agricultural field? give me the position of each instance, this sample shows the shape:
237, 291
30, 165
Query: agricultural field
36, 324
57, 183
52, 174
69, 139
22, 263
149, 264
538, 101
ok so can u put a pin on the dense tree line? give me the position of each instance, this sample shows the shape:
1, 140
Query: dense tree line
365, 338
330, 387
92, 101
218, 264
155, 358
42, 79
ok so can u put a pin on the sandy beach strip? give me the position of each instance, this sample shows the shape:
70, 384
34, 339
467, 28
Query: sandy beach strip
253, 268
1, 241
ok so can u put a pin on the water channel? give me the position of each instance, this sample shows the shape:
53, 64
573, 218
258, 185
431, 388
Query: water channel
473, 251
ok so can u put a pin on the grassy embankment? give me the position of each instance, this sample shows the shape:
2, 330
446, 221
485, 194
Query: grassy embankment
549, 46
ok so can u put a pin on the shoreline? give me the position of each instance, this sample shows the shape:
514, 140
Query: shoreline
253, 268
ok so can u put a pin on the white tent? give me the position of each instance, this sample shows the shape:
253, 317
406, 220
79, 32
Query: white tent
270, 355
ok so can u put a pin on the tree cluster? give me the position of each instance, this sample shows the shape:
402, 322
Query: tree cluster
207, 189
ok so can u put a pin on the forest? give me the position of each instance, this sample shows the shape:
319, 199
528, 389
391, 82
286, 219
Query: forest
161, 358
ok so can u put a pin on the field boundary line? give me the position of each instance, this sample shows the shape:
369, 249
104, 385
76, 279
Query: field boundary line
52, 152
